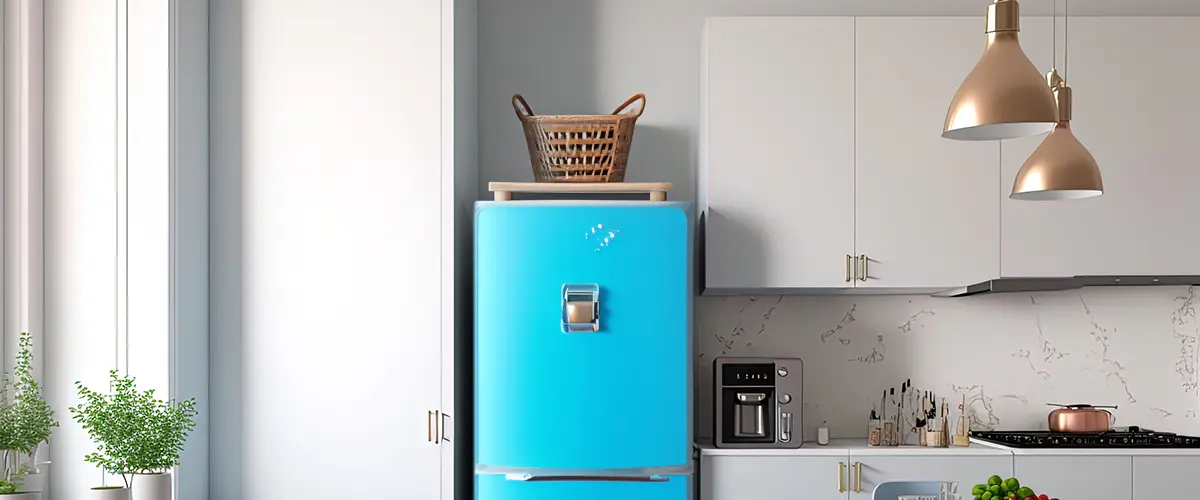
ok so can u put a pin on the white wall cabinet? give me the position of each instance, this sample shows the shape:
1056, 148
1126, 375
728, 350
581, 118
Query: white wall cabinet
1156, 478
1134, 103
924, 213
805, 160
814, 153
1077, 476
870, 470
778, 105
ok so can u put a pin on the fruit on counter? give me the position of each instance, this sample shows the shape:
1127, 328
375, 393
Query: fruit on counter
1005, 489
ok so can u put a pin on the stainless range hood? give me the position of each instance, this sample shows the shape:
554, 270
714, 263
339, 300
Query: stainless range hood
1003, 285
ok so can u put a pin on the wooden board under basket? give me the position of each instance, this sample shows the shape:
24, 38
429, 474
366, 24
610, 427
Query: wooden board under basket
503, 191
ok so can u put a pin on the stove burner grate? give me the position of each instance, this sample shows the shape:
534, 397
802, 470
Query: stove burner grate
1133, 438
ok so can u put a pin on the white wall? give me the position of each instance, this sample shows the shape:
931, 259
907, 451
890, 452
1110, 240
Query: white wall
327, 217
588, 56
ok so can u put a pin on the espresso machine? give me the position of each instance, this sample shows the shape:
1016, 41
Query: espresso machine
758, 402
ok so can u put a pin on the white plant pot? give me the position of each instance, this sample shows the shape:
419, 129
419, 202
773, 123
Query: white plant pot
110, 493
151, 486
31, 483
28, 495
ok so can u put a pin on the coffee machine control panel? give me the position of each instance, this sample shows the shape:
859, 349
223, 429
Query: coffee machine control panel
750, 374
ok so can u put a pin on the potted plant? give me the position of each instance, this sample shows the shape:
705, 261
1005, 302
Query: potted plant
25, 423
34, 417
165, 426
138, 437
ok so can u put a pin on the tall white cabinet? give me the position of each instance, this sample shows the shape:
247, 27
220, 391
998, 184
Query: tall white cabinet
339, 244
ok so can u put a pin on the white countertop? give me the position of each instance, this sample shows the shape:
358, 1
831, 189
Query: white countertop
839, 447
843, 446
1160, 452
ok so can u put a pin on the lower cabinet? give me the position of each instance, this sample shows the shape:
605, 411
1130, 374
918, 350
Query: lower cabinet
774, 477
868, 471
1071, 477
849, 476
1156, 478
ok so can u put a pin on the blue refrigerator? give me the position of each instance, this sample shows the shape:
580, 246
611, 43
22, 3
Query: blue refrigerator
583, 385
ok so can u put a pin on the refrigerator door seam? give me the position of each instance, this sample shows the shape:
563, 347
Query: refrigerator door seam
632, 472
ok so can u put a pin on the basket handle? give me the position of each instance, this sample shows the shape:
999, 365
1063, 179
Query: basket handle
528, 110
635, 98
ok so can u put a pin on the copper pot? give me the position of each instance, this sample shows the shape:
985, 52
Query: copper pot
1081, 419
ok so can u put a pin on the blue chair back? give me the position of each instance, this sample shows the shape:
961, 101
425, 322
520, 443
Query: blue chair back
891, 490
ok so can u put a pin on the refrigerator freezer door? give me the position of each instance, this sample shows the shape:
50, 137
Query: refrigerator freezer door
549, 395
492, 487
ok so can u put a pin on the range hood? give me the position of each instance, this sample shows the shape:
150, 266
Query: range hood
1003, 285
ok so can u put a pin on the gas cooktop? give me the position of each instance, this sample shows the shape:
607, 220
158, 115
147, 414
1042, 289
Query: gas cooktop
1133, 437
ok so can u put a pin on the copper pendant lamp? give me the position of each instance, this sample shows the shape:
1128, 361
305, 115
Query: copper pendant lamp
1060, 168
1004, 97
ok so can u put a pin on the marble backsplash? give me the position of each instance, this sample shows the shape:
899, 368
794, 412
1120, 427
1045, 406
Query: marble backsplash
1009, 354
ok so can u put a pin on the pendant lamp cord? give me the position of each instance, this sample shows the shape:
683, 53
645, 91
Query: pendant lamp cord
1066, 37
1054, 34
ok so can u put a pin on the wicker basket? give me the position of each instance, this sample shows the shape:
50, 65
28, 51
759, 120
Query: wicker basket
579, 148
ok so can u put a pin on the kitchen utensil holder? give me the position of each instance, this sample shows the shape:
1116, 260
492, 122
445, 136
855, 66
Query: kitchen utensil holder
579, 148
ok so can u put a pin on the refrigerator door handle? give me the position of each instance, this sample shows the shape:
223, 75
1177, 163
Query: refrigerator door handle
609, 479
580, 308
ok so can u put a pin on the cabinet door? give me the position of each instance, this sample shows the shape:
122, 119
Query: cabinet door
1134, 105
774, 477
777, 167
927, 215
967, 470
1073, 476
1156, 478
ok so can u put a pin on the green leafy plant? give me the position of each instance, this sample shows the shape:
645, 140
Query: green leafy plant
134, 432
34, 416
26, 419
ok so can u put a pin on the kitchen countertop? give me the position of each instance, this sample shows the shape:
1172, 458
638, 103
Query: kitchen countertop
843, 446
839, 447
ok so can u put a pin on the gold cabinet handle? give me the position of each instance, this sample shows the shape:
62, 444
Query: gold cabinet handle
841, 472
429, 426
858, 477
848, 260
862, 259
432, 424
